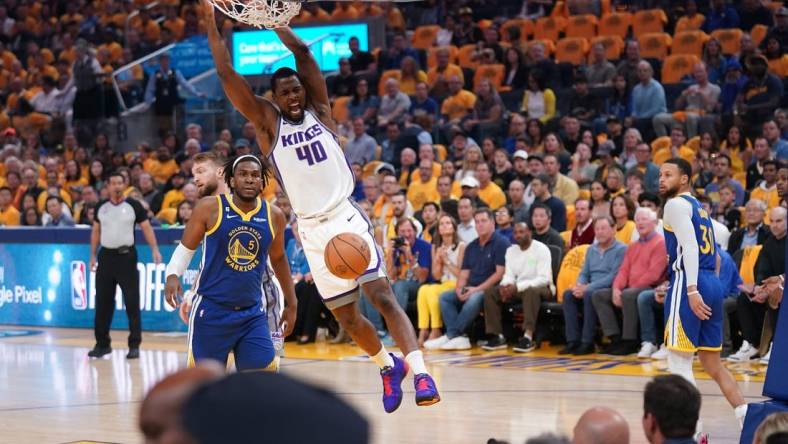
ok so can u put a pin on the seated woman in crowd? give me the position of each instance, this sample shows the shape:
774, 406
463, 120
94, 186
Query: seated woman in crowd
535, 133
583, 170
600, 199
622, 210
447, 254
538, 99
364, 104
738, 148
410, 76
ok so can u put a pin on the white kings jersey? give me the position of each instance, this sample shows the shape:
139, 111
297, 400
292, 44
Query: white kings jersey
311, 167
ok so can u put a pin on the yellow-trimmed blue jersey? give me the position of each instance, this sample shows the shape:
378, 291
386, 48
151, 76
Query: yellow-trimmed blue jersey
235, 253
704, 233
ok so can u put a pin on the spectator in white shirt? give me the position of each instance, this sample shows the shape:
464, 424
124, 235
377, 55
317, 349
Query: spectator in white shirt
466, 229
528, 276
393, 105
361, 148
47, 100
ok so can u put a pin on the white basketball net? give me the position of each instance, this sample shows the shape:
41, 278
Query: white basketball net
268, 14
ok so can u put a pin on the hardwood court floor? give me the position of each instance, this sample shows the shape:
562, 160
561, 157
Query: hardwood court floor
50, 392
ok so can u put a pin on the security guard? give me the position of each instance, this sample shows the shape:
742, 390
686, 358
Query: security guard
117, 263
162, 92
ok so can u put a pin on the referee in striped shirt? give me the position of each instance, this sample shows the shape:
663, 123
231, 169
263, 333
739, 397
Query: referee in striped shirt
117, 263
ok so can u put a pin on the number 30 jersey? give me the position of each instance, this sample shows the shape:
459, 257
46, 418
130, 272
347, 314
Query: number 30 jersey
310, 166
704, 234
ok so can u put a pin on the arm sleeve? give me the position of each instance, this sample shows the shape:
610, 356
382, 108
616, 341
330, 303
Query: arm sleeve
544, 272
678, 215
508, 272
500, 252
185, 84
582, 278
425, 257
606, 281
139, 212
150, 89
622, 277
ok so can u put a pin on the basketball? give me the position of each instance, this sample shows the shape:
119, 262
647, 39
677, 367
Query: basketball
347, 255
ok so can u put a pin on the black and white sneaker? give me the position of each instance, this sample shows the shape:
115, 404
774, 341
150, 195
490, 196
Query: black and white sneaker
524, 345
495, 343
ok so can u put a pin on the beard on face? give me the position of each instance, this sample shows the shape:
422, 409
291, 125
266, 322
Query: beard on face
208, 189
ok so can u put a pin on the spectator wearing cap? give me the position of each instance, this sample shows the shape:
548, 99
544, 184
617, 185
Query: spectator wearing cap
647, 167
563, 187
361, 148
162, 89
470, 190
760, 95
541, 186
601, 265
583, 233
520, 167
466, 32
648, 100
489, 192
540, 219
242, 147
721, 15
699, 103
642, 268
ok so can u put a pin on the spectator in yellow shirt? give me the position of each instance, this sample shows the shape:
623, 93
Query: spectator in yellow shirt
9, 215
676, 148
423, 187
439, 75
489, 192
162, 167
175, 195
410, 76
766, 190
459, 103
174, 23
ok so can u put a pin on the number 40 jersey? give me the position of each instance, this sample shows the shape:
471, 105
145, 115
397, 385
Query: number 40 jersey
310, 166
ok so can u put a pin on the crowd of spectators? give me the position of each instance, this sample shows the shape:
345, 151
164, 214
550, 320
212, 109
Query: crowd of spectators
500, 173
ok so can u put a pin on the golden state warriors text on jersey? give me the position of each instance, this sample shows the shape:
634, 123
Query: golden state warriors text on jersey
235, 254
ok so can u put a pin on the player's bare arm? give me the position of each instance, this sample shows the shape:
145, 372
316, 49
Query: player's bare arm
281, 268
310, 75
203, 218
256, 109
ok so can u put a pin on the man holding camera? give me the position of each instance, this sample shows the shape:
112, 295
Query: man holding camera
408, 261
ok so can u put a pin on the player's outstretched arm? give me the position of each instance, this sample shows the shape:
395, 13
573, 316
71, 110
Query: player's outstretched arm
203, 217
310, 74
281, 268
256, 109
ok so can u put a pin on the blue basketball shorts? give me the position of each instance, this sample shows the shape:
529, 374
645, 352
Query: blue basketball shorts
215, 330
684, 331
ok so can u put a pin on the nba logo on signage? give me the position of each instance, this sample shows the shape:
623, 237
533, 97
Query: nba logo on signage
79, 285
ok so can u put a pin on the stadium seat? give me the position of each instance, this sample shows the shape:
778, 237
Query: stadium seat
570, 217
615, 24
370, 168
684, 24
730, 40
614, 45
559, 10
464, 56
566, 236
749, 257
654, 45
677, 66
432, 55
689, 42
440, 152
387, 74
526, 28
424, 36
648, 21
584, 194
493, 72
340, 109
570, 268
605, 7
694, 143
484, 24
571, 50
758, 33
660, 143
583, 25
548, 28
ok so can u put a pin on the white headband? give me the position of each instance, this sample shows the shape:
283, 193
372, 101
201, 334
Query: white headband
244, 157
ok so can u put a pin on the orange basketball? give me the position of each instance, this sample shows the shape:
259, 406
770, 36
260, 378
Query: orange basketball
347, 255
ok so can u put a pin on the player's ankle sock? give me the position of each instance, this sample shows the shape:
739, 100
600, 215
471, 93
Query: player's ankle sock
415, 360
383, 359
741, 413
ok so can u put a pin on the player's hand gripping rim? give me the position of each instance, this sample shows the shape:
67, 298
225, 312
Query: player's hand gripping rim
701, 310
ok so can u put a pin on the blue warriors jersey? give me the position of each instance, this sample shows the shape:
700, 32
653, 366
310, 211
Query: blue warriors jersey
235, 253
704, 233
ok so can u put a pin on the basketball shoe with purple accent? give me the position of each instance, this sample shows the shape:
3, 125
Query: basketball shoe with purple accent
392, 384
426, 392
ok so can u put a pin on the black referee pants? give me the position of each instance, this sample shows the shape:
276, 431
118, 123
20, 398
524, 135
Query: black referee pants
117, 269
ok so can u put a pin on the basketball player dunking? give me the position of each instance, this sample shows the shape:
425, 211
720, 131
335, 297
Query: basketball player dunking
239, 231
296, 133
208, 172
693, 305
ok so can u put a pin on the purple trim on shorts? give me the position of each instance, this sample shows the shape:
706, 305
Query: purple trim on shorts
342, 294
371, 233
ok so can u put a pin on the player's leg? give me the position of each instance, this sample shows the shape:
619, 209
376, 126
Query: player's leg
682, 329
711, 362
254, 349
382, 297
211, 332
